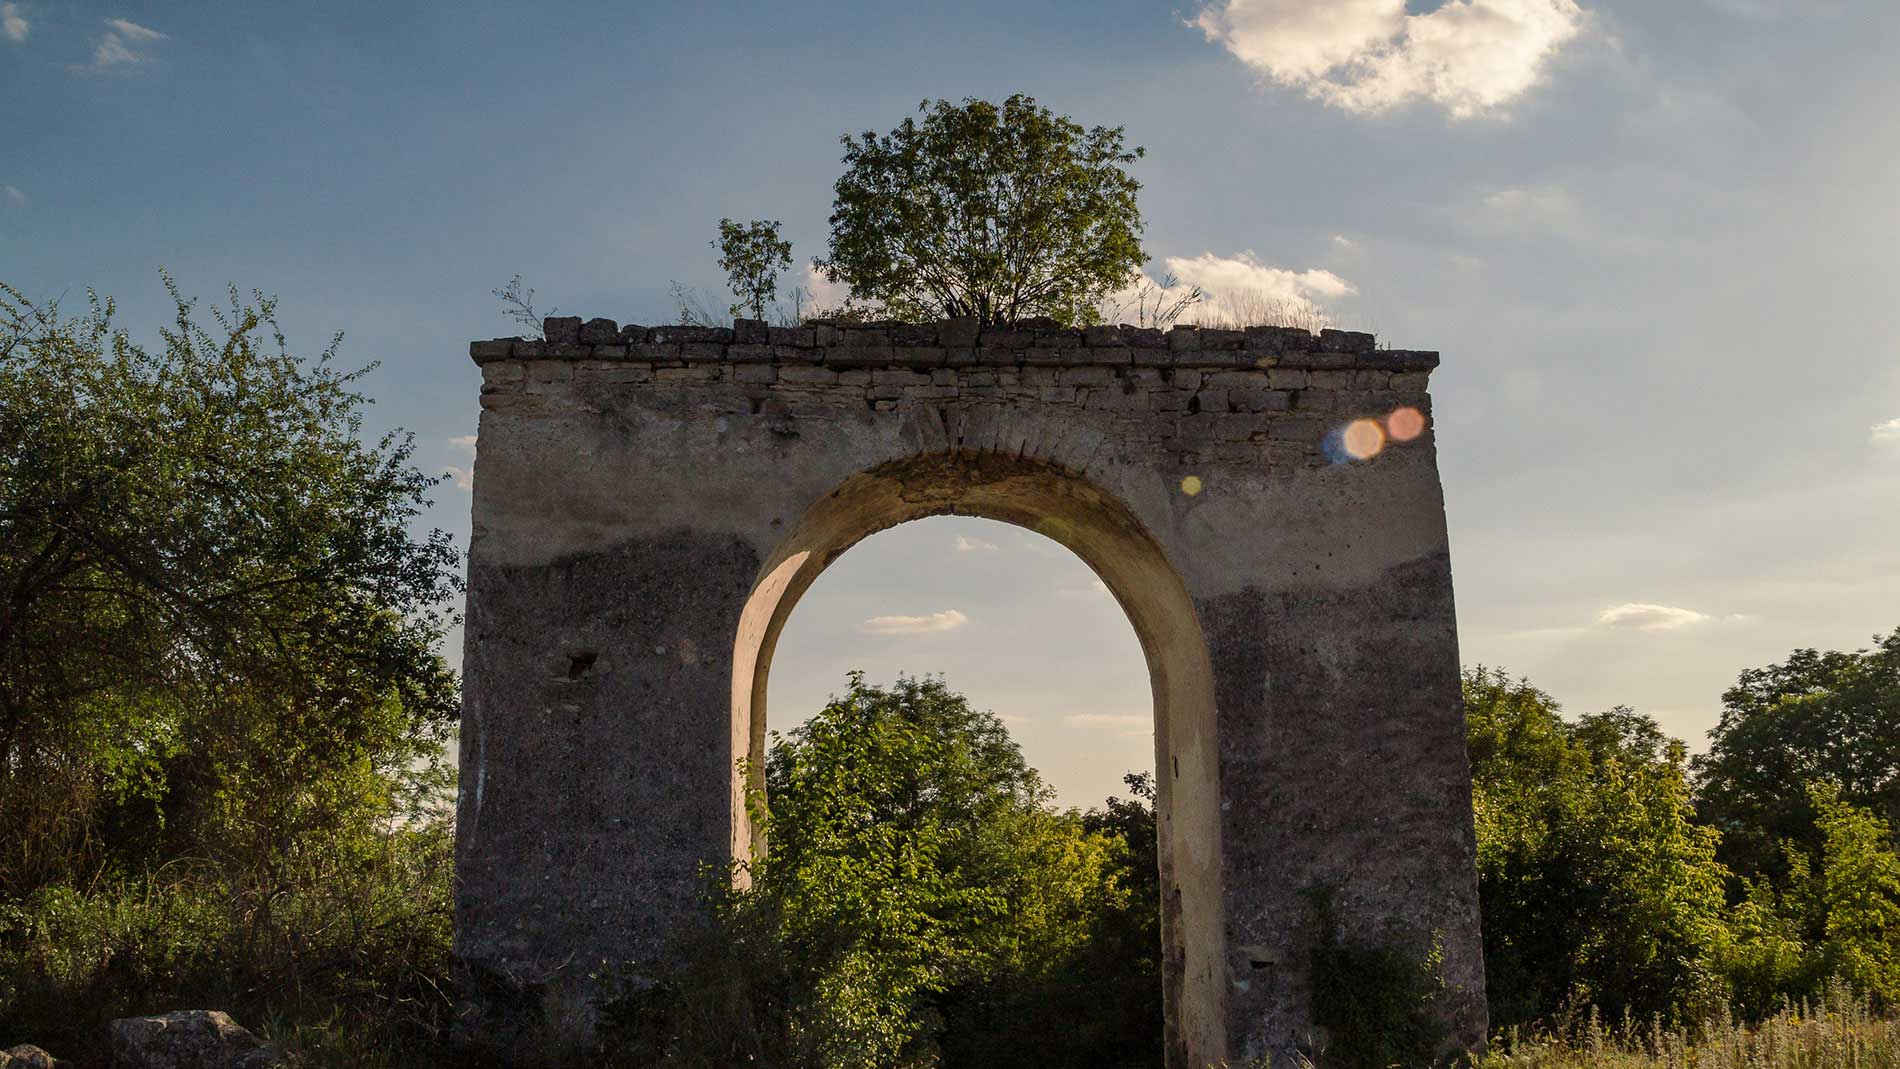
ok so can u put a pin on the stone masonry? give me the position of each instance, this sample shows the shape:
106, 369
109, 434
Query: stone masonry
649, 503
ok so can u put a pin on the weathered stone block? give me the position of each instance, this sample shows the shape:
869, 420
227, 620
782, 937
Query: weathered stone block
859, 356
559, 329
1184, 339
958, 333
794, 337
598, 332
918, 355
1346, 341
751, 332
807, 375
754, 373
484, 351
1085, 376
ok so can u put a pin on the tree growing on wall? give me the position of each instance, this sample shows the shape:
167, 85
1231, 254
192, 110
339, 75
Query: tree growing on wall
752, 255
1000, 212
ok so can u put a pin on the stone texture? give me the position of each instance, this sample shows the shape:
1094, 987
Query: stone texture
189, 1039
637, 541
28, 1056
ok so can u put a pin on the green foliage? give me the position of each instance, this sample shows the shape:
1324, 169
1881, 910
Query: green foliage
1817, 717
752, 255
1377, 1002
920, 904
221, 636
222, 712
346, 958
1593, 880
998, 212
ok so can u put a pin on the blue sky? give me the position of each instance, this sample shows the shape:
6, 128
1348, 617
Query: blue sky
1655, 242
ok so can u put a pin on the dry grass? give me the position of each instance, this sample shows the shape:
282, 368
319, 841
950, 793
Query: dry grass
1840, 1033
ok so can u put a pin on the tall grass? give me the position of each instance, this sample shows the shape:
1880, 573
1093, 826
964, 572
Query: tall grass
342, 956
1842, 1031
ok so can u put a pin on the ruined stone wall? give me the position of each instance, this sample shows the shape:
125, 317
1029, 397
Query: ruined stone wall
650, 501
1267, 395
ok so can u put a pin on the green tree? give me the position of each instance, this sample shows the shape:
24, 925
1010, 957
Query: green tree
919, 904
998, 212
1817, 717
1850, 899
752, 255
220, 634
1593, 878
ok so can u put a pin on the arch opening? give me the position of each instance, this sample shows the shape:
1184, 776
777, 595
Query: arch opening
1105, 535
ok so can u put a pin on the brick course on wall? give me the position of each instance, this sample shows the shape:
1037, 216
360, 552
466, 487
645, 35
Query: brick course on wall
1276, 394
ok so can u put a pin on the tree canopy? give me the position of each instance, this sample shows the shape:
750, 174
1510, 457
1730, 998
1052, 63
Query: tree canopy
1815, 718
219, 631
1592, 876
997, 212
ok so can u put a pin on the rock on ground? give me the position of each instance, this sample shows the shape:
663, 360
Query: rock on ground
26, 1056
188, 1039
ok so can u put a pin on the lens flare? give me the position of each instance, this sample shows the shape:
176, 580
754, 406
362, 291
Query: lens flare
1405, 424
1363, 439
1191, 485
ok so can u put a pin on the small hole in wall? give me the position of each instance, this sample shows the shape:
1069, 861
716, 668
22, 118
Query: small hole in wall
1177, 768
579, 663
1194, 403
1257, 963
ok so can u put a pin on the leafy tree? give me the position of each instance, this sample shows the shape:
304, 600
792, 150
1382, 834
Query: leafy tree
919, 904
998, 212
220, 635
1817, 717
752, 255
1592, 877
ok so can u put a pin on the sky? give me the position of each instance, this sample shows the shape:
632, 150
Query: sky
1655, 243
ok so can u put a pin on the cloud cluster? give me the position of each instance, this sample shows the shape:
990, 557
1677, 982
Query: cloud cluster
947, 620
464, 477
122, 46
1471, 57
13, 24
15, 197
1888, 432
1237, 289
966, 544
1644, 616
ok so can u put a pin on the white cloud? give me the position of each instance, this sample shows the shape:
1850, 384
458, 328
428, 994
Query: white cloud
13, 25
1344, 242
1643, 616
1471, 57
14, 196
1129, 725
1238, 289
966, 544
132, 31
121, 46
464, 476
947, 620
1886, 433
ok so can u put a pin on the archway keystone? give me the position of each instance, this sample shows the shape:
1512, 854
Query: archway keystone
649, 503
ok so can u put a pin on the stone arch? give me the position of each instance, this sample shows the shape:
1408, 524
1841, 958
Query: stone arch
649, 501
1108, 537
